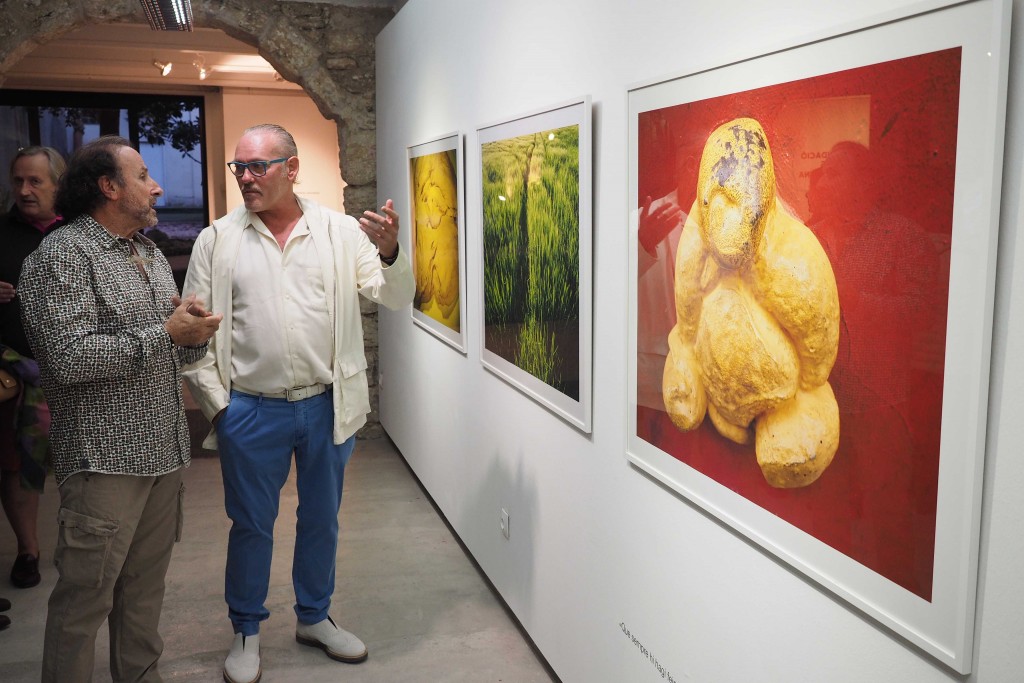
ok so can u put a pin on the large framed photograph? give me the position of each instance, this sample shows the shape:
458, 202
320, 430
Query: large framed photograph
439, 238
811, 271
536, 255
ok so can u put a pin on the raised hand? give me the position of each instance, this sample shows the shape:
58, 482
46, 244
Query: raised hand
382, 230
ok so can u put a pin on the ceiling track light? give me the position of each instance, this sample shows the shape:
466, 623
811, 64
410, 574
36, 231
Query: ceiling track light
168, 15
165, 68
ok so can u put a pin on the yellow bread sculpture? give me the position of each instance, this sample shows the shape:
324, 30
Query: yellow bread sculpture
436, 234
757, 316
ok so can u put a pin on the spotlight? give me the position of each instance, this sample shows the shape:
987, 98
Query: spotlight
164, 68
200, 65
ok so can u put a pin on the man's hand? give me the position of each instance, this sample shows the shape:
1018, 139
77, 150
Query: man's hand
382, 230
190, 324
216, 418
655, 226
6, 292
193, 306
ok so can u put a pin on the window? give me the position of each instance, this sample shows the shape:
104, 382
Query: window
167, 130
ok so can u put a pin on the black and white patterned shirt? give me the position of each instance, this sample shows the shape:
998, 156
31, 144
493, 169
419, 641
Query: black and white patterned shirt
111, 375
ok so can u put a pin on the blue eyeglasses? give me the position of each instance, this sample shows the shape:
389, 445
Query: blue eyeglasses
257, 168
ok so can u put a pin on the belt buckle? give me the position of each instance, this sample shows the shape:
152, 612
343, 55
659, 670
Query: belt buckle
302, 393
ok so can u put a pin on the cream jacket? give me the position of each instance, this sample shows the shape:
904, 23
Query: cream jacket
350, 266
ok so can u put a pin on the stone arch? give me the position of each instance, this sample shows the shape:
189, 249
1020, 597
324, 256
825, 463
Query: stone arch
326, 49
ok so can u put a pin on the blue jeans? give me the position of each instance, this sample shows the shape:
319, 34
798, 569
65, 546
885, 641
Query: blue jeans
256, 437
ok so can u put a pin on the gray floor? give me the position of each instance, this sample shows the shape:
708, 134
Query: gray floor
404, 585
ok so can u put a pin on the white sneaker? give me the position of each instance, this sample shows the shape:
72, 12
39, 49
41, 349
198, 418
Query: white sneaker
243, 662
338, 643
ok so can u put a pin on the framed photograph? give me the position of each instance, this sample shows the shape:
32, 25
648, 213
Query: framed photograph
811, 271
536, 256
439, 238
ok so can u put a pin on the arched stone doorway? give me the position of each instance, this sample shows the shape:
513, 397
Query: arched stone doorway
326, 49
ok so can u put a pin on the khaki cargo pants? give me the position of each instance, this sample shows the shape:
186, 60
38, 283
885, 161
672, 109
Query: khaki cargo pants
114, 545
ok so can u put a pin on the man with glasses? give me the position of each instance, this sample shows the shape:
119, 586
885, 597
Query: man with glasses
287, 374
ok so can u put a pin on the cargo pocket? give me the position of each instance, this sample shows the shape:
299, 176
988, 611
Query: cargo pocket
355, 395
180, 525
83, 545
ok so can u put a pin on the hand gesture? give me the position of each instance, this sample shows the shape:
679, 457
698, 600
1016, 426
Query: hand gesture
655, 226
190, 324
382, 230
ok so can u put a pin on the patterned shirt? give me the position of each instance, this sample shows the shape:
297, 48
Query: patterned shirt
111, 374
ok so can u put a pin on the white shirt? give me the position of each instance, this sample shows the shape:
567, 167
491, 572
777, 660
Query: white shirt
656, 295
281, 335
656, 314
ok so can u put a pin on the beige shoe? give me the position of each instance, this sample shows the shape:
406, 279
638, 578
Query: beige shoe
243, 662
338, 643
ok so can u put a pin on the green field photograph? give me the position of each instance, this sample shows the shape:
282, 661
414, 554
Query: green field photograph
531, 247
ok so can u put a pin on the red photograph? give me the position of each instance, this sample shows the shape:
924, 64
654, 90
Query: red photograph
792, 290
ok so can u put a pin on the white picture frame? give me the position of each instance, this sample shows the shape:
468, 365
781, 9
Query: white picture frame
940, 622
442, 181
563, 382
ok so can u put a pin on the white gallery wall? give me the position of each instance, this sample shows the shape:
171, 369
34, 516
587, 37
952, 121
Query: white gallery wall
596, 547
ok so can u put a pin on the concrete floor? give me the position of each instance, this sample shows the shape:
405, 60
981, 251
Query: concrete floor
404, 585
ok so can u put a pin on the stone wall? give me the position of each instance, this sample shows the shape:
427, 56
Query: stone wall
327, 49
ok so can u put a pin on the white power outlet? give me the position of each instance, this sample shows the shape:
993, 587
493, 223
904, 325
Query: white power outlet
504, 522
